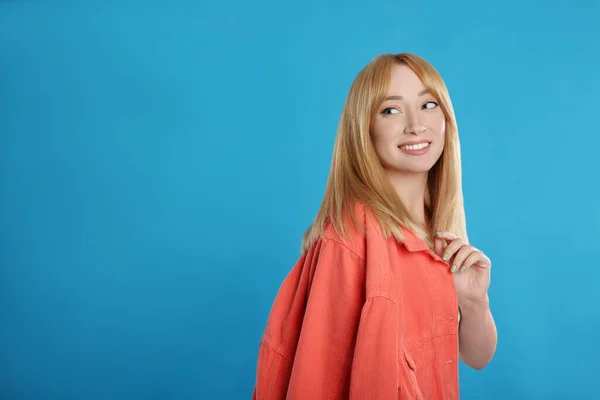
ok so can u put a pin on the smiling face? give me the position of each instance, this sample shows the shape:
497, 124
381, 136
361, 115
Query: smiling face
409, 127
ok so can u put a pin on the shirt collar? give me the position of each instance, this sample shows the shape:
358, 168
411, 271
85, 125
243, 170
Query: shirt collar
412, 242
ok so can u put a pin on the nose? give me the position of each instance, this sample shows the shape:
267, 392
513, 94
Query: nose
414, 126
414, 129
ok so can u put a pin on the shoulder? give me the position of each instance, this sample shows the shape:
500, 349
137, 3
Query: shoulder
378, 253
361, 229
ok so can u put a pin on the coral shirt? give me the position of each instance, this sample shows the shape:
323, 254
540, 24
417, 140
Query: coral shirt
369, 318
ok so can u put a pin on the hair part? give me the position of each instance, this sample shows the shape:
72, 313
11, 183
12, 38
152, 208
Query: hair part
357, 176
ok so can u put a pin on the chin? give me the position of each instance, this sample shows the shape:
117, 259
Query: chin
414, 170
416, 167
407, 170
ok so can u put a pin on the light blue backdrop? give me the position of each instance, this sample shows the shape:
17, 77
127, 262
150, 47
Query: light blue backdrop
160, 160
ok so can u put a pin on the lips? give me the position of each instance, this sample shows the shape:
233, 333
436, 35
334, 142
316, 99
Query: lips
417, 148
415, 145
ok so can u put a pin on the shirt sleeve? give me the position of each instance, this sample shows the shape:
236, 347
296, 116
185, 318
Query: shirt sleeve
375, 366
347, 346
322, 364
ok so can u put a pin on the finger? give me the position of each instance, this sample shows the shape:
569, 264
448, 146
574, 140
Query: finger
439, 245
461, 256
474, 257
482, 261
448, 236
441, 241
452, 248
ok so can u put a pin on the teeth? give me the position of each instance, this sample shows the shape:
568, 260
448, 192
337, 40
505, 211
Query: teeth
415, 146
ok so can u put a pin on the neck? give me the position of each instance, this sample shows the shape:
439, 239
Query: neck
411, 190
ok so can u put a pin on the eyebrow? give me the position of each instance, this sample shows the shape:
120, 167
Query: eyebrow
421, 93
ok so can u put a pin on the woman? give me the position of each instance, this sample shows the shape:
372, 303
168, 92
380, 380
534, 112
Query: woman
371, 308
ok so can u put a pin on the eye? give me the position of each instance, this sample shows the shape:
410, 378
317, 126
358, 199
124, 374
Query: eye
429, 105
389, 111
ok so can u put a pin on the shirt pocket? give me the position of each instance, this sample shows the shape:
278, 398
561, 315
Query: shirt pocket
417, 370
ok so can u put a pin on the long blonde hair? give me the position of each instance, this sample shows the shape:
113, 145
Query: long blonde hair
357, 176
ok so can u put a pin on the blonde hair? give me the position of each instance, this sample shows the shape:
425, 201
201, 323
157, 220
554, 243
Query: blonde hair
357, 176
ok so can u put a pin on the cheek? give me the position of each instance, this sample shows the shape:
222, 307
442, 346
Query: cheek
442, 131
381, 135
378, 145
383, 141
438, 126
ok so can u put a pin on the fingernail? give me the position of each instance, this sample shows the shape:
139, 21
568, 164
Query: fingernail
438, 233
453, 269
462, 268
445, 257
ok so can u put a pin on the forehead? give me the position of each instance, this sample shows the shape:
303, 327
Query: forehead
404, 81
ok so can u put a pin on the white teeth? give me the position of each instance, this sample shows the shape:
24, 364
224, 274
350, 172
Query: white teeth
415, 146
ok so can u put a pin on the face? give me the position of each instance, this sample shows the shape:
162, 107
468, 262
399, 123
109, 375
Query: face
409, 127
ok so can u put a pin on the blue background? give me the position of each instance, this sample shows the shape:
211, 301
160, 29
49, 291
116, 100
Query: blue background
160, 160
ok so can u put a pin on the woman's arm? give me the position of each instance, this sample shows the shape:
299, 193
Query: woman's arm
477, 333
470, 268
